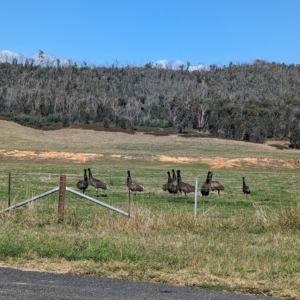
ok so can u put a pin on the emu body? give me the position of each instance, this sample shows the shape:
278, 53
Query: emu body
83, 184
245, 188
133, 186
184, 187
206, 186
96, 183
215, 185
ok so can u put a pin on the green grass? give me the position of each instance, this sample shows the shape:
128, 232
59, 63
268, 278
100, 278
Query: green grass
236, 243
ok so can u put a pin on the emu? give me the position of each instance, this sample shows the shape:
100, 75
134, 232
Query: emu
174, 181
83, 184
215, 185
169, 186
174, 178
206, 186
184, 187
133, 186
246, 189
96, 183
166, 185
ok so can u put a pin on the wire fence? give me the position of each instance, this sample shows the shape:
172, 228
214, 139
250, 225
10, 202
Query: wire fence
264, 186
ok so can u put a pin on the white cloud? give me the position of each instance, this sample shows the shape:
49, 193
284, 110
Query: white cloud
161, 64
197, 68
176, 65
9, 53
164, 64
39, 58
7, 56
43, 59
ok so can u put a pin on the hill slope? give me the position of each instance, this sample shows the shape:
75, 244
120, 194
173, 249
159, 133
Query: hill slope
84, 145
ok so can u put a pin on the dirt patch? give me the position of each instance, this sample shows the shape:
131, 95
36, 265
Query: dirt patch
164, 158
213, 162
219, 162
76, 157
222, 162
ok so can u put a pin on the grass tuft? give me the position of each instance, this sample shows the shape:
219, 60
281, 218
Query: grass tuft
289, 217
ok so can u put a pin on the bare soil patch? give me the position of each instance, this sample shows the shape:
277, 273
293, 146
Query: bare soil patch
76, 157
222, 162
213, 162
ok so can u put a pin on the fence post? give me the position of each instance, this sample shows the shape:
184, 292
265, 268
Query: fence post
129, 203
9, 188
196, 197
61, 198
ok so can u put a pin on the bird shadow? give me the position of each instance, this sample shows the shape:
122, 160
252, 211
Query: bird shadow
190, 201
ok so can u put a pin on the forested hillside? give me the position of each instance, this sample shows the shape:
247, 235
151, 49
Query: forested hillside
250, 101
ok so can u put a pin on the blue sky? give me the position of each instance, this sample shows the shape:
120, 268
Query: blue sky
136, 32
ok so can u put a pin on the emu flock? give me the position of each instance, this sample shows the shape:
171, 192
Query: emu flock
98, 184
174, 184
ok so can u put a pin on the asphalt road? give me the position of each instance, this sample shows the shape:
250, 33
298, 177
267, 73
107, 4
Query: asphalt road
16, 284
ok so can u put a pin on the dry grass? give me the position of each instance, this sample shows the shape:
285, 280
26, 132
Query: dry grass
251, 254
76, 141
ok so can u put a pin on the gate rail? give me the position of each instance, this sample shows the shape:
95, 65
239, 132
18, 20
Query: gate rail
61, 189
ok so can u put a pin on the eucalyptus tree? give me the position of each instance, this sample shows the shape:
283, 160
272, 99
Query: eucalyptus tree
200, 109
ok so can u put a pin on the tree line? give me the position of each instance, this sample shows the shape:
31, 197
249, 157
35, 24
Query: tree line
247, 101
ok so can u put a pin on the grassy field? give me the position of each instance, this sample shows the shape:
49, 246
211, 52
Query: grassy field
239, 243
